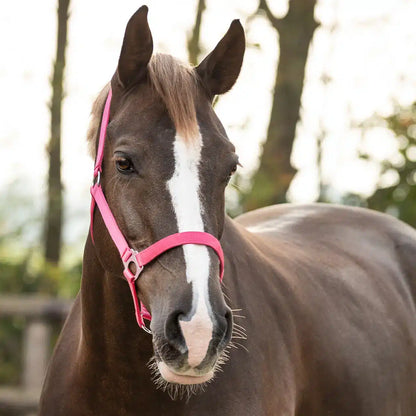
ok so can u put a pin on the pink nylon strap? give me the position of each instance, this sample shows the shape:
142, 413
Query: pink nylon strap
180, 239
128, 255
109, 220
103, 132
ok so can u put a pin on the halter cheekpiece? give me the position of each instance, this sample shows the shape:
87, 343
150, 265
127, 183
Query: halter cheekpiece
129, 256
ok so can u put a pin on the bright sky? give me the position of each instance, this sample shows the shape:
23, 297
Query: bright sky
366, 48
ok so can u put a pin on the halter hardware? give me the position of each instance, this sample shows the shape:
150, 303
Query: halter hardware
129, 256
97, 178
128, 261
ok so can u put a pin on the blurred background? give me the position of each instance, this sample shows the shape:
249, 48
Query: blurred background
324, 110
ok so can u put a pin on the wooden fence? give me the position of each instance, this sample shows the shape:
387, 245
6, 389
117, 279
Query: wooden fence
40, 314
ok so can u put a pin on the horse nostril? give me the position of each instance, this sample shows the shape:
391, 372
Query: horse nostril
227, 327
173, 332
229, 317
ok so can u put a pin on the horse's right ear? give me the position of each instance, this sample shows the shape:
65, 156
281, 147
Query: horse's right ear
136, 50
220, 69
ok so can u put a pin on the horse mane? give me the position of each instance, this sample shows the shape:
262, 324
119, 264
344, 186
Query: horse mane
175, 83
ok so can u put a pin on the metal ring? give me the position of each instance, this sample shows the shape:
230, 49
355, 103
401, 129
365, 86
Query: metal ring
146, 329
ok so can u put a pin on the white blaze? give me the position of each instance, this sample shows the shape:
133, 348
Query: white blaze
184, 190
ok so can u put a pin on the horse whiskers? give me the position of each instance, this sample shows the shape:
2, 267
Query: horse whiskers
222, 359
175, 391
239, 327
244, 338
114, 180
235, 186
185, 392
227, 297
118, 184
180, 391
236, 345
235, 315
239, 332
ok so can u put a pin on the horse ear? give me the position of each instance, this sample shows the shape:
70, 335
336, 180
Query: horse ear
220, 69
136, 50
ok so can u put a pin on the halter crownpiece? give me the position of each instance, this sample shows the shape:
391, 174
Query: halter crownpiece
129, 256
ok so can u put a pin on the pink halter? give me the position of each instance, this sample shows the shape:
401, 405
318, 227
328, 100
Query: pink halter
129, 256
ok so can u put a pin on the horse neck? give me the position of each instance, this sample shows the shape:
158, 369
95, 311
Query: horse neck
238, 247
108, 323
248, 268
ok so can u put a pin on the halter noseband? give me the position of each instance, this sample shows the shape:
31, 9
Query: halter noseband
129, 256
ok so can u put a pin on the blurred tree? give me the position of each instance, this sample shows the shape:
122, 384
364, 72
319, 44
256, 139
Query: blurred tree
194, 46
53, 223
275, 173
399, 198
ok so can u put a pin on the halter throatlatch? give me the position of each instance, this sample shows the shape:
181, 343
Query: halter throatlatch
133, 260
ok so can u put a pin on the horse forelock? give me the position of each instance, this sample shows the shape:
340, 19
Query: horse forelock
175, 83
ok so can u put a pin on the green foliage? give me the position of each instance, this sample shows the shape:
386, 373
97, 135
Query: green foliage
10, 350
399, 199
28, 274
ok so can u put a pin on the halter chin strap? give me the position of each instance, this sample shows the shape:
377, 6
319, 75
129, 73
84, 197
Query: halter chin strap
133, 260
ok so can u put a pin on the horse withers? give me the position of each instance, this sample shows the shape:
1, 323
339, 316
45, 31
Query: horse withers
324, 296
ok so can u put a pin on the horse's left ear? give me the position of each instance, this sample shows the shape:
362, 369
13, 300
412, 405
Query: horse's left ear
220, 69
136, 50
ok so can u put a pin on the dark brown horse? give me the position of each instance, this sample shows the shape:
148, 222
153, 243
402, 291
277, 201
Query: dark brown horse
327, 293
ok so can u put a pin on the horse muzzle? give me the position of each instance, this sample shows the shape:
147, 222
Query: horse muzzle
189, 349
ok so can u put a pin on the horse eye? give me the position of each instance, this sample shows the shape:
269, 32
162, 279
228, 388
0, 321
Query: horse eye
233, 170
124, 165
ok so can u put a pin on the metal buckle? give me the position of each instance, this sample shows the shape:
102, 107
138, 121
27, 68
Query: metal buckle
132, 259
128, 274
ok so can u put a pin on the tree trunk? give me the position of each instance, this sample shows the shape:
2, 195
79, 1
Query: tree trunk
53, 235
275, 173
194, 47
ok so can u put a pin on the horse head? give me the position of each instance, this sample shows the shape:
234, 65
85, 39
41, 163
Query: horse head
167, 161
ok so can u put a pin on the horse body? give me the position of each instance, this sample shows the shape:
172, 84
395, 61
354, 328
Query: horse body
327, 293
329, 316
343, 304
